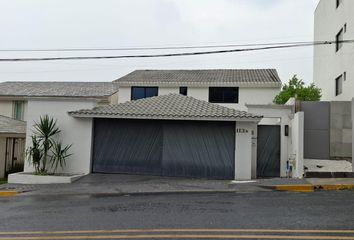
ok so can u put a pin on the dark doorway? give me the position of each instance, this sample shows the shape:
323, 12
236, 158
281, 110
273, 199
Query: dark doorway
15, 155
268, 151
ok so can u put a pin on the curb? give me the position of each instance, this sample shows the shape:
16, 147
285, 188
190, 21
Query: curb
8, 193
117, 194
335, 187
312, 188
160, 193
295, 188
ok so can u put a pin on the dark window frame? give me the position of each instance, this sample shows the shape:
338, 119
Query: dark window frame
223, 98
338, 3
339, 85
339, 45
18, 110
183, 91
145, 88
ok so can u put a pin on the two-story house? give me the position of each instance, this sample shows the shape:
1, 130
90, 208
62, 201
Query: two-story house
187, 123
228, 87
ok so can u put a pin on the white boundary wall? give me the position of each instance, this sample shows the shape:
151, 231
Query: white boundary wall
297, 146
77, 132
291, 146
276, 115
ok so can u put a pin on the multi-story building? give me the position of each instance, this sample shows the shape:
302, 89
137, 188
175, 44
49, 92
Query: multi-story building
334, 64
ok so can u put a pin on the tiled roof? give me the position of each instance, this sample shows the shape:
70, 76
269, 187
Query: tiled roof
58, 89
171, 106
207, 77
11, 126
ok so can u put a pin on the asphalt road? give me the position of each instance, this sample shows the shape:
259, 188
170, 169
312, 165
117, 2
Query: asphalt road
270, 214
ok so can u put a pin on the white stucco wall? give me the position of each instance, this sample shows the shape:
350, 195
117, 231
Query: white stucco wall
6, 108
329, 64
74, 131
168, 90
243, 150
246, 95
124, 94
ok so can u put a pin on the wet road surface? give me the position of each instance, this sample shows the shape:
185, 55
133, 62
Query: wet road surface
256, 215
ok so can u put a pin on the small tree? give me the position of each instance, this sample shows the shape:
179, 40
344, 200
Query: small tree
297, 88
46, 147
46, 129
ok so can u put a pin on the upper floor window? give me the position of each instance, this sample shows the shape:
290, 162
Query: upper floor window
339, 85
339, 40
143, 92
338, 2
223, 94
183, 91
18, 110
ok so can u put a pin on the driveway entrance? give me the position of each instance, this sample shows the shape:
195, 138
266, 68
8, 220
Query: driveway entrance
202, 149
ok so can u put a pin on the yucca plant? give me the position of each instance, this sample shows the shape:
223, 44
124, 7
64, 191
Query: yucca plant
59, 155
35, 153
45, 131
45, 146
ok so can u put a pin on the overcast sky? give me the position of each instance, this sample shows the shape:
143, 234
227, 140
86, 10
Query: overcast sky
39, 24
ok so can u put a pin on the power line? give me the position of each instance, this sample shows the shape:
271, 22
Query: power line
149, 48
178, 54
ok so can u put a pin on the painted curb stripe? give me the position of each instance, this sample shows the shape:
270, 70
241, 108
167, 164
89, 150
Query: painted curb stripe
179, 230
295, 188
8, 193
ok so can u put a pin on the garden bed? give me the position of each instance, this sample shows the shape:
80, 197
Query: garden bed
31, 178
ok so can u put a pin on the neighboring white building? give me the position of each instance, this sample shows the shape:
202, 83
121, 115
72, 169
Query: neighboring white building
233, 88
16, 109
14, 96
334, 64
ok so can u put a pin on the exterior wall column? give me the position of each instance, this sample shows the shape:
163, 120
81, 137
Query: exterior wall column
243, 151
298, 144
352, 132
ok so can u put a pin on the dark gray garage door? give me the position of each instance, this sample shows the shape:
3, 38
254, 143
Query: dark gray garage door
168, 148
268, 151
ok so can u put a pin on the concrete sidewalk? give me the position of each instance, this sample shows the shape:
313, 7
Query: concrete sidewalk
121, 184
